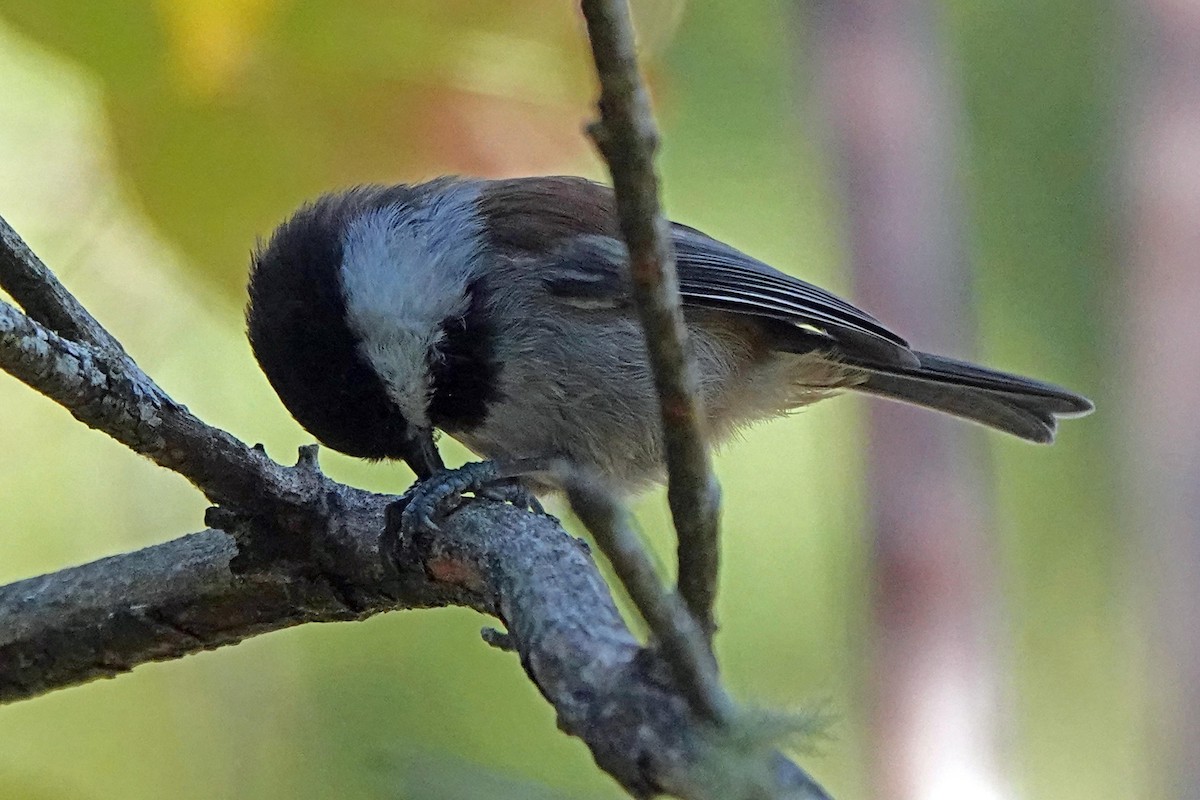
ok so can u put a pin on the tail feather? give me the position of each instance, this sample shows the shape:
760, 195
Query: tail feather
1021, 406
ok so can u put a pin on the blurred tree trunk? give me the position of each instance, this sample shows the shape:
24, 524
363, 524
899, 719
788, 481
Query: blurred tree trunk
1163, 351
891, 116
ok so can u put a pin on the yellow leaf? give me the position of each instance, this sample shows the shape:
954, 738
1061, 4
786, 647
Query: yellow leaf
212, 42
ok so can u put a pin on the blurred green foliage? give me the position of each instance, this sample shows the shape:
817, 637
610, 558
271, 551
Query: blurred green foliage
225, 115
144, 147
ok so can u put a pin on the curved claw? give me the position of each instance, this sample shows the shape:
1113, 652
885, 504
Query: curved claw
512, 491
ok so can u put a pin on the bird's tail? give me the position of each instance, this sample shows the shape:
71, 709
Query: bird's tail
1021, 406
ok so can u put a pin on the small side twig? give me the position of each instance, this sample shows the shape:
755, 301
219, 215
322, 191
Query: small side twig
627, 137
76, 376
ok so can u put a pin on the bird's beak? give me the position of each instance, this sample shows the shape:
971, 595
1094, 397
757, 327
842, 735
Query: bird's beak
422, 454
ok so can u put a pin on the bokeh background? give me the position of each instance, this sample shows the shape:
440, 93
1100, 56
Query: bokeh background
144, 146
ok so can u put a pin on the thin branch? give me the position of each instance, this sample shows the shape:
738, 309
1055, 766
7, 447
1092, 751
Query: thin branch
105, 390
36, 289
71, 375
678, 634
627, 138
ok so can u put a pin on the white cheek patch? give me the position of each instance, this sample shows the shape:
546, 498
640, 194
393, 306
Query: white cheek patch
404, 272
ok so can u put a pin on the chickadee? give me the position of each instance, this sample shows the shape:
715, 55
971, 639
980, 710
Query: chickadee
499, 311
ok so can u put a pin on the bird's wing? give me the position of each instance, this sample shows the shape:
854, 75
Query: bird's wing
714, 275
587, 264
591, 271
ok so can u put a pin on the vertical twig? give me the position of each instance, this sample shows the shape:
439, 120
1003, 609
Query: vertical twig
627, 138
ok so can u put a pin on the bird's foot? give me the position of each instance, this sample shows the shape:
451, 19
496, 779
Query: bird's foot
513, 492
426, 502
